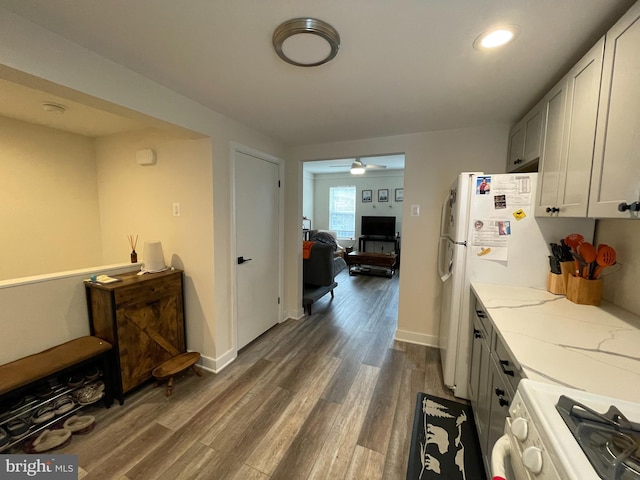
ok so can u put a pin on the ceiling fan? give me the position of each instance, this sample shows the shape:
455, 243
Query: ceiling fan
358, 167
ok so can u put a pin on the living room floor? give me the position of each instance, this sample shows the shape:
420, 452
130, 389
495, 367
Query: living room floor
330, 396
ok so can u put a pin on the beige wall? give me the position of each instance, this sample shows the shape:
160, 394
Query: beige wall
372, 180
620, 282
40, 59
47, 313
432, 160
138, 200
49, 212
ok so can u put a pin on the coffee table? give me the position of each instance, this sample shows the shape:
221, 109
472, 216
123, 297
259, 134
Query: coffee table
369, 263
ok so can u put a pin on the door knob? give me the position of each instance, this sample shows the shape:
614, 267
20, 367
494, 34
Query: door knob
242, 260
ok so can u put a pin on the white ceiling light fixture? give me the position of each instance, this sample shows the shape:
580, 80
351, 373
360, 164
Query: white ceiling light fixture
496, 37
306, 42
358, 167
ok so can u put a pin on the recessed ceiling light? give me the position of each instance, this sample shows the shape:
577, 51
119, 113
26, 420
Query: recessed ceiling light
496, 37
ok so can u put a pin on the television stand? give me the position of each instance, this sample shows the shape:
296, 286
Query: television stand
395, 239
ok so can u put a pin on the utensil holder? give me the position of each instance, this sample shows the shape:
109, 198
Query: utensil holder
583, 291
555, 284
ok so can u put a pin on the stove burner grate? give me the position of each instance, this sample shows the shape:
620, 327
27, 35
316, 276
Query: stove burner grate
610, 441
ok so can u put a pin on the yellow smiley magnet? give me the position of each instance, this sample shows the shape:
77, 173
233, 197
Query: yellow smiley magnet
519, 214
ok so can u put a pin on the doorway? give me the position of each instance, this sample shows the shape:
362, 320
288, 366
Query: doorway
258, 274
378, 192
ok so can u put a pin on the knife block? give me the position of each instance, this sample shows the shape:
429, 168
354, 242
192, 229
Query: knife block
583, 291
555, 284
568, 269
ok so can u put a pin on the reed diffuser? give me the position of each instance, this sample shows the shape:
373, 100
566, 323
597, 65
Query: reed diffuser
133, 242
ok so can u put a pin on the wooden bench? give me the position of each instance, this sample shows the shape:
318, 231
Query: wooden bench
23, 373
174, 366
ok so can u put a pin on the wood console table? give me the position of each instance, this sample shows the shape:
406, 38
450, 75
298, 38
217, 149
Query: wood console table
142, 316
371, 263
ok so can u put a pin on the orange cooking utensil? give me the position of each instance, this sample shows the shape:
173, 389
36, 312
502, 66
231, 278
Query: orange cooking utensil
605, 258
572, 241
589, 255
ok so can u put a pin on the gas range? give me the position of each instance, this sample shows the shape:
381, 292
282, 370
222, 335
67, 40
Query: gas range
559, 433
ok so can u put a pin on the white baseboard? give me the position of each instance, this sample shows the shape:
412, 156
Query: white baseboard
295, 314
418, 338
216, 365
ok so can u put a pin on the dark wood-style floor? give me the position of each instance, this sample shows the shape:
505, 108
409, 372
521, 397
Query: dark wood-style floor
330, 396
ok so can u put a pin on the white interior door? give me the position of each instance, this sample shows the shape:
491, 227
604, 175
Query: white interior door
257, 246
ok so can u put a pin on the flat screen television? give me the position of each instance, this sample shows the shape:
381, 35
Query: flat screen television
378, 226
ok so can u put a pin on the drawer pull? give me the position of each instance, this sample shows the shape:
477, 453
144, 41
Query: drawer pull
481, 314
503, 402
477, 333
504, 364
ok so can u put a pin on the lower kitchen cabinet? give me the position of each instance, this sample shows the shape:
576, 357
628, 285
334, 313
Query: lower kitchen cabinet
493, 379
500, 396
142, 316
479, 377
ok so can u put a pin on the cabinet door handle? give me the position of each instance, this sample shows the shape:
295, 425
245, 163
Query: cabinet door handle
634, 207
552, 210
504, 364
518, 161
503, 402
481, 314
477, 333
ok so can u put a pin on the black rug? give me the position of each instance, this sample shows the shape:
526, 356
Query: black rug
444, 442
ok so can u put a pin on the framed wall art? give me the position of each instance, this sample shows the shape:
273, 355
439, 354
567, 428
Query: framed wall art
399, 194
367, 196
383, 195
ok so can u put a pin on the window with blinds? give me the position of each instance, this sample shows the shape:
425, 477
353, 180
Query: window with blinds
342, 210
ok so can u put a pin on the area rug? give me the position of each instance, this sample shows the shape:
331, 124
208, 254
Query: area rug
444, 442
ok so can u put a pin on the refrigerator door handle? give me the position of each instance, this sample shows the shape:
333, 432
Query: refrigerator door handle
445, 261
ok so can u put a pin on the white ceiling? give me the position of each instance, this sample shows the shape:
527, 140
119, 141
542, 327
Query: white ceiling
404, 66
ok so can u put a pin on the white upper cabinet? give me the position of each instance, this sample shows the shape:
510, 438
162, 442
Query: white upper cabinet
570, 111
524, 141
615, 184
553, 107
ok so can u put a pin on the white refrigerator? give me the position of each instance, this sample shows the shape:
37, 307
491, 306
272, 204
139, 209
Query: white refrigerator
489, 234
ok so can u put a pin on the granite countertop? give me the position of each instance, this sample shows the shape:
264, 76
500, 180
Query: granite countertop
554, 340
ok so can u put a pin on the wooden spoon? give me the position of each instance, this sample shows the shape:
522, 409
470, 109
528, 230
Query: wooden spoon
606, 257
589, 255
